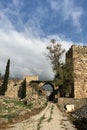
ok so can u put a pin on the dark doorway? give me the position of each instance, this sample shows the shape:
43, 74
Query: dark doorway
49, 89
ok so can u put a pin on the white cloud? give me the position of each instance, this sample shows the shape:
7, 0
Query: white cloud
5, 22
69, 11
26, 49
26, 54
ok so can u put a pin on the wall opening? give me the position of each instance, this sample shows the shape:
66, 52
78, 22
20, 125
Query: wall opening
49, 90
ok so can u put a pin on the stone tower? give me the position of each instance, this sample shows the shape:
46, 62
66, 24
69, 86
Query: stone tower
31, 78
78, 58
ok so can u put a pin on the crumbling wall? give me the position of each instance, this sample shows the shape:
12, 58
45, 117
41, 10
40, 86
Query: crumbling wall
31, 78
13, 88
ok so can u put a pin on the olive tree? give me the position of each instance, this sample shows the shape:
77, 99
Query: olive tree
55, 53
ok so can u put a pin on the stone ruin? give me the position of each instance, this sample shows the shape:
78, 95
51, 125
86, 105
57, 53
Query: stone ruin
14, 86
77, 56
31, 78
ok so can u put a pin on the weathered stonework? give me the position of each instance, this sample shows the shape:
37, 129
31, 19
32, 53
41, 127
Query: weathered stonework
14, 87
78, 58
31, 78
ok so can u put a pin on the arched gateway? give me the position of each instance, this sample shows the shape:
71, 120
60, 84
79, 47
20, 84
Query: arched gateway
46, 88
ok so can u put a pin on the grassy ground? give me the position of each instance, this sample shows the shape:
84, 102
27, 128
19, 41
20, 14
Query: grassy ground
12, 111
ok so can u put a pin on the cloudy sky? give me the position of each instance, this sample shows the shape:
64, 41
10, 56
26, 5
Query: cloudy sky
27, 26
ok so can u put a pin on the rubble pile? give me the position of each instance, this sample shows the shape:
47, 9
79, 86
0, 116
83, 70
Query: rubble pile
38, 101
81, 113
81, 118
14, 109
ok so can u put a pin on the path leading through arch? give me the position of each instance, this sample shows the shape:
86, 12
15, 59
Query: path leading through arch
50, 118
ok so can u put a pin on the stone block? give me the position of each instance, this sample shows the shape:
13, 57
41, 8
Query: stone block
69, 108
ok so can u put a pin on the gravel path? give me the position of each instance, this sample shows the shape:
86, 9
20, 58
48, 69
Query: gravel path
49, 119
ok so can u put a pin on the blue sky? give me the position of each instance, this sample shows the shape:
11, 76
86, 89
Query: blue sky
27, 26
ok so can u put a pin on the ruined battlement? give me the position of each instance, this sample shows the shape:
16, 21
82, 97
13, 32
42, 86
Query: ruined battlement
79, 47
76, 49
31, 78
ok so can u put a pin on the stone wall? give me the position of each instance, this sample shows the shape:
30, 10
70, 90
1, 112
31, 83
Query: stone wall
69, 62
78, 58
14, 86
31, 78
78, 103
12, 89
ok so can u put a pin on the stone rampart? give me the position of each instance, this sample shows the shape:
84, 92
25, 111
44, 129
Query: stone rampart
78, 58
14, 87
31, 78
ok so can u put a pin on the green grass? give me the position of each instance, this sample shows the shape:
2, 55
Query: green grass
40, 121
9, 116
11, 108
8, 101
13, 101
50, 118
3, 108
19, 103
6, 110
30, 105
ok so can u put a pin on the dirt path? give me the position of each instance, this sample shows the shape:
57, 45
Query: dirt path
49, 119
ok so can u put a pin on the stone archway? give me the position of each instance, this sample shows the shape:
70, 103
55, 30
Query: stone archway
50, 84
49, 91
38, 86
